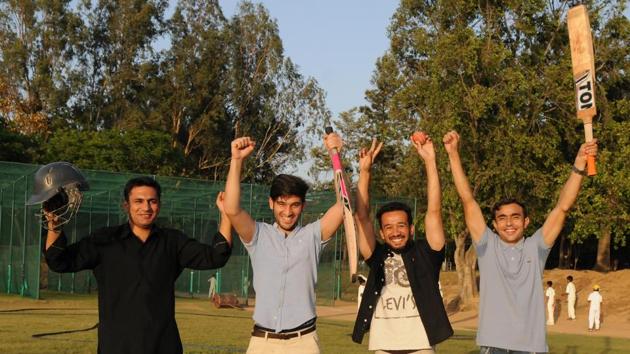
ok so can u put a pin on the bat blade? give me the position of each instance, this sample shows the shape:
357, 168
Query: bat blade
349, 225
583, 64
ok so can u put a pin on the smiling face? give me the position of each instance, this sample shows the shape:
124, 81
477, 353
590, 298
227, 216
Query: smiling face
286, 211
395, 229
142, 207
510, 222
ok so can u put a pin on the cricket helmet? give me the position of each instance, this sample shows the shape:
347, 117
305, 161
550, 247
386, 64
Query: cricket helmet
58, 187
596, 287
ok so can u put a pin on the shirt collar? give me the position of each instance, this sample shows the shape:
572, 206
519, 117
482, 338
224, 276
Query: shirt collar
126, 231
295, 230
389, 252
519, 245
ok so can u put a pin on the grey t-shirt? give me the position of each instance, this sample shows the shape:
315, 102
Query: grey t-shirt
511, 308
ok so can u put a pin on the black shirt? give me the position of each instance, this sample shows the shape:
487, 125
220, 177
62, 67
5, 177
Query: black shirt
423, 271
136, 291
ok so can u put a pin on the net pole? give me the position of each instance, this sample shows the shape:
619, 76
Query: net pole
89, 277
109, 203
23, 282
74, 239
10, 266
1, 209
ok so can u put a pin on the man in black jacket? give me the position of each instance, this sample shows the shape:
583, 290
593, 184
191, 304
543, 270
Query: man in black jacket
136, 265
401, 307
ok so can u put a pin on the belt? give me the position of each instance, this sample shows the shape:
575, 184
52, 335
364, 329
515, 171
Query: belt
264, 334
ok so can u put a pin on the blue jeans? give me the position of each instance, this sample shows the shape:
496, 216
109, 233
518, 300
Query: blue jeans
493, 350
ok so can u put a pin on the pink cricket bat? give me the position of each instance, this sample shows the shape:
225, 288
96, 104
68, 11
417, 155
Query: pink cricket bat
348, 220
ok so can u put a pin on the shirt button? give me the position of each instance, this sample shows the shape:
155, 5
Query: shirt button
370, 306
376, 293
365, 320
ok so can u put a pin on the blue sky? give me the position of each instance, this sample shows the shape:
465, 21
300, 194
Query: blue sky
335, 42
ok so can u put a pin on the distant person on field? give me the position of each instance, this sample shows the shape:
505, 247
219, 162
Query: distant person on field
362, 279
571, 297
511, 306
212, 286
551, 302
401, 307
136, 265
594, 310
284, 256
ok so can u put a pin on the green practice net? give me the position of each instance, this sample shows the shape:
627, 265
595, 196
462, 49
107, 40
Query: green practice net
187, 204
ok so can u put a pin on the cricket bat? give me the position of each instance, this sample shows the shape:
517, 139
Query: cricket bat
348, 220
583, 62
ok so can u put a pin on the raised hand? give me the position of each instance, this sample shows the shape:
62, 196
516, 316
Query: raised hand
451, 142
424, 145
219, 202
242, 147
52, 220
333, 141
586, 149
367, 156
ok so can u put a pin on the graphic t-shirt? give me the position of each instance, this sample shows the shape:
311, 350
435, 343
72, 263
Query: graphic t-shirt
396, 323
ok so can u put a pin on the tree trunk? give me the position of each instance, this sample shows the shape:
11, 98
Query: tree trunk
465, 261
564, 252
603, 251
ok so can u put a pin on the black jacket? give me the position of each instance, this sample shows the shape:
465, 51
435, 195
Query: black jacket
423, 271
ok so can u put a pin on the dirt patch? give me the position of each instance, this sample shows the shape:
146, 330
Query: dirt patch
615, 289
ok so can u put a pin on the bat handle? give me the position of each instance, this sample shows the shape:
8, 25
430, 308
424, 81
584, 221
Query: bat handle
591, 170
588, 136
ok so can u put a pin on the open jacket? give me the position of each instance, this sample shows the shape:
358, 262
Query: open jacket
423, 271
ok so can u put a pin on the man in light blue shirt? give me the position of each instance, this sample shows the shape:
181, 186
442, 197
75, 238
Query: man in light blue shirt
511, 307
284, 257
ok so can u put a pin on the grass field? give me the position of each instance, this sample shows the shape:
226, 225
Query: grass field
205, 329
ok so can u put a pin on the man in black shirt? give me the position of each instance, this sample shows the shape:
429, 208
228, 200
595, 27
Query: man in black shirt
401, 305
136, 265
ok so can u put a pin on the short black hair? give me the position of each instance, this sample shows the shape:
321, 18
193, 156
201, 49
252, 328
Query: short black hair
549, 283
394, 206
570, 278
507, 201
283, 185
140, 182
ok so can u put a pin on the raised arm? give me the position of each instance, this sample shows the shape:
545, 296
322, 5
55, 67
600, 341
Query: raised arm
555, 220
333, 218
64, 258
366, 237
53, 233
472, 212
225, 227
433, 218
242, 221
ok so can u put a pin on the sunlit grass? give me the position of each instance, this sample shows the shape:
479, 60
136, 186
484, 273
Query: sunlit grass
205, 329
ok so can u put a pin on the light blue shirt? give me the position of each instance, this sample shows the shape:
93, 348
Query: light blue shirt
511, 306
285, 274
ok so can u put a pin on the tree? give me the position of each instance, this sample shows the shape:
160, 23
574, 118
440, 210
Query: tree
114, 59
498, 73
268, 98
139, 151
604, 210
192, 87
35, 56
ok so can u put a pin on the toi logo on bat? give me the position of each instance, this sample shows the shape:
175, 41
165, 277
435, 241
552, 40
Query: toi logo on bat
585, 96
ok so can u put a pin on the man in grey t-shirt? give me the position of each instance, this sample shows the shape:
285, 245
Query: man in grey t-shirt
511, 309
